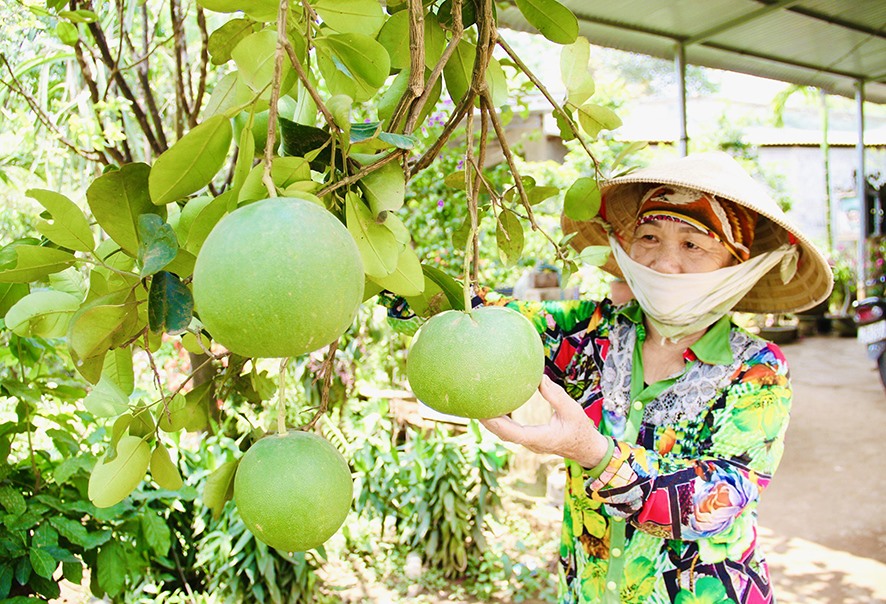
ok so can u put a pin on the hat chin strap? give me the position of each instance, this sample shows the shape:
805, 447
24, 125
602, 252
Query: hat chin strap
681, 304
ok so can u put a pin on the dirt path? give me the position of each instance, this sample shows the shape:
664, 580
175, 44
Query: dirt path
823, 519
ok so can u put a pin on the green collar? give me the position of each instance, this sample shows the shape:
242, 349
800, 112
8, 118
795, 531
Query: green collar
712, 348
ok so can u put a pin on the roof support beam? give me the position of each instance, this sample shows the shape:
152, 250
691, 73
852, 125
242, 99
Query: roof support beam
751, 16
860, 183
680, 66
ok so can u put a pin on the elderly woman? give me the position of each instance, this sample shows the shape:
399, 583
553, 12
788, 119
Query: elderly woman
670, 418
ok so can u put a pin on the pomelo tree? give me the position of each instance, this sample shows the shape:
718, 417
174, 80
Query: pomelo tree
338, 91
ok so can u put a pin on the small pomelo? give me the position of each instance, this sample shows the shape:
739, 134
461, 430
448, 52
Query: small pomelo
278, 278
293, 491
480, 365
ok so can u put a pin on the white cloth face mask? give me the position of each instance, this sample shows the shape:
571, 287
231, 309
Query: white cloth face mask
680, 304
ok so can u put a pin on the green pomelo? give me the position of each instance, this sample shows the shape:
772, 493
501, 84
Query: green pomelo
278, 278
294, 491
480, 365
259, 129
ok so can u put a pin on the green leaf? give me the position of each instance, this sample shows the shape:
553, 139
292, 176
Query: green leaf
229, 97
156, 531
119, 369
299, 140
552, 19
400, 141
582, 200
205, 221
170, 304
538, 194
509, 236
594, 255
69, 227
158, 244
192, 162
219, 487
378, 247
100, 326
76, 533
43, 314
21, 262
358, 57
70, 281
385, 188
173, 417
73, 572
407, 279
394, 36
118, 198
352, 16
69, 467
12, 501
364, 131
42, 562
10, 293
223, 40
452, 288
106, 399
459, 69
594, 118
112, 480
254, 56
111, 570
574, 60
78, 16
67, 33
164, 471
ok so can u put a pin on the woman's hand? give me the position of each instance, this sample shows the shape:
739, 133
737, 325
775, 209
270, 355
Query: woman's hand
569, 433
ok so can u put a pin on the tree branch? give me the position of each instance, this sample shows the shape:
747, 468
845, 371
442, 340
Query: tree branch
100, 40
17, 88
393, 155
181, 104
557, 108
457, 33
303, 77
326, 371
142, 71
268, 181
204, 66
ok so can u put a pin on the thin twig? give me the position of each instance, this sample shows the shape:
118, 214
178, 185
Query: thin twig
147, 91
452, 123
281, 391
181, 105
303, 77
415, 86
557, 108
204, 66
16, 87
275, 97
100, 40
457, 33
512, 166
326, 372
392, 156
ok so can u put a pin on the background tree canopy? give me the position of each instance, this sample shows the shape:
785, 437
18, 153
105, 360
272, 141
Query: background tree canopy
134, 128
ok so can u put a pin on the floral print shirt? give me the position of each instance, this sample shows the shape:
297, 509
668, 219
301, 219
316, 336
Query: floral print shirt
671, 515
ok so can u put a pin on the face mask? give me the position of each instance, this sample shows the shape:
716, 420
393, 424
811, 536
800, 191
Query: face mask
681, 304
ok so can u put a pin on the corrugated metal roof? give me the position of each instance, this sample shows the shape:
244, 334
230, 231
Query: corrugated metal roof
830, 44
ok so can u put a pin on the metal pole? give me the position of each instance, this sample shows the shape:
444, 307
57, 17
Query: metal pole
680, 65
860, 188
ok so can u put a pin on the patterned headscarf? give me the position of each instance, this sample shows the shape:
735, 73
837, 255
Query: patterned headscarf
729, 223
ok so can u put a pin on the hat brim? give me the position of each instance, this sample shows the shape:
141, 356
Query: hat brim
716, 174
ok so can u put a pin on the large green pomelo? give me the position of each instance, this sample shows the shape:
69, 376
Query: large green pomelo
483, 364
293, 491
278, 278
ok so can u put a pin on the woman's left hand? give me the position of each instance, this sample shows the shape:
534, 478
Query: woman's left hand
569, 433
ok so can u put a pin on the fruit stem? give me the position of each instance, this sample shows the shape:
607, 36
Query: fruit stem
281, 398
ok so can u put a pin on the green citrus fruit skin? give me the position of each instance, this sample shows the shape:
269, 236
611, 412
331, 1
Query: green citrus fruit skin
278, 278
293, 492
478, 365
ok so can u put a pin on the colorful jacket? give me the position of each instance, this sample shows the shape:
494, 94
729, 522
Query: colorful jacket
670, 515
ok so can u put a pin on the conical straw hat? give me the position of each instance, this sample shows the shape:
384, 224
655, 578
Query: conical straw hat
718, 174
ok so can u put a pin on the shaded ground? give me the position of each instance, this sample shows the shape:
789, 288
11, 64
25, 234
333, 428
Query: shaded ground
823, 515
